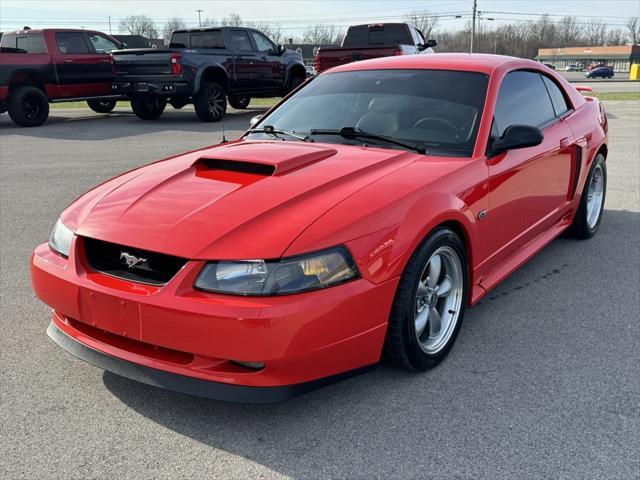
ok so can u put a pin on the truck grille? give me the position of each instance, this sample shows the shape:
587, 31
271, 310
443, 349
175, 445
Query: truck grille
131, 263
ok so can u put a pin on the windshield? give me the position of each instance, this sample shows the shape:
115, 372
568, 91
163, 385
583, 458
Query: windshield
440, 109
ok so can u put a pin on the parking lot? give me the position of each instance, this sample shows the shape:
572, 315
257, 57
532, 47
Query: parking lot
542, 382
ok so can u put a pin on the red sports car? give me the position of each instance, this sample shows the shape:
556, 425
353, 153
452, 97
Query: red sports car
361, 215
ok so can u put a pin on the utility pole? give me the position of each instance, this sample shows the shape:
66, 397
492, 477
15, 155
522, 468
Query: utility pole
199, 18
473, 25
109, 24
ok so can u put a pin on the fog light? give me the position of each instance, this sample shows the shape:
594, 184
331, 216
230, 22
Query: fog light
251, 365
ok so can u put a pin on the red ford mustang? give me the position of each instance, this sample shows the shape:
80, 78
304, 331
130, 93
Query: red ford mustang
359, 216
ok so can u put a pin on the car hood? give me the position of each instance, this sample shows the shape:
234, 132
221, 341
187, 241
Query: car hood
245, 199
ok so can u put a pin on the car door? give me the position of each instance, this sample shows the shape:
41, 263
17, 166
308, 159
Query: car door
246, 69
77, 66
271, 70
102, 46
529, 186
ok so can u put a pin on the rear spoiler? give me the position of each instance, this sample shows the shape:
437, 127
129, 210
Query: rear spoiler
583, 88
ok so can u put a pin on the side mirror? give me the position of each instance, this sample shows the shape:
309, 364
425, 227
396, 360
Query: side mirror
517, 136
431, 43
281, 49
255, 119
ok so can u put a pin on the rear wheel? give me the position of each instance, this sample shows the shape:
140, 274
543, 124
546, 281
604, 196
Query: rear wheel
429, 304
239, 103
211, 103
101, 106
148, 107
589, 214
28, 106
295, 82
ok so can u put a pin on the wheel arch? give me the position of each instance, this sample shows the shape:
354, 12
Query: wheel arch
295, 69
212, 73
27, 78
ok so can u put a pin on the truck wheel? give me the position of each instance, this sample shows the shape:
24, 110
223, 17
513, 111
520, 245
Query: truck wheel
294, 83
101, 106
148, 107
28, 106
211, 103
239, 103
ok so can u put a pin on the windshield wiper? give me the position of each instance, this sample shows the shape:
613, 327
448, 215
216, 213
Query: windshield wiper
352, 132
270, 130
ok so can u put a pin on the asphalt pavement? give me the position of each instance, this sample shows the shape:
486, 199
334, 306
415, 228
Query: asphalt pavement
543, 381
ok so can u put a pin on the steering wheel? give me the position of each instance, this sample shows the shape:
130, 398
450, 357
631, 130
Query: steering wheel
438, 123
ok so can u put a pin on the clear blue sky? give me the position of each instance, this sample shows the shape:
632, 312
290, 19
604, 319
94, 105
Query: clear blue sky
294, 15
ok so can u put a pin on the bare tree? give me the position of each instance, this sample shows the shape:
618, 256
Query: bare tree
139, 25
233, 20
175, 23
424, 20
569, 31
273, 31
596, 32
633, 25
321, 34
209, 22
615, 36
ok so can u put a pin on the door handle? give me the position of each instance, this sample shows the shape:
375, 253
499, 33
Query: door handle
69, 61
565, 142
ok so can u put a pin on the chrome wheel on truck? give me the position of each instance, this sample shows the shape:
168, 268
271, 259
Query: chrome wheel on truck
211, 102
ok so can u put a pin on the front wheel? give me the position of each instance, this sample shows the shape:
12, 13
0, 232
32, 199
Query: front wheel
589, 214
239, 103
28, 106
148, 107
429, 304
211, 103
101, 106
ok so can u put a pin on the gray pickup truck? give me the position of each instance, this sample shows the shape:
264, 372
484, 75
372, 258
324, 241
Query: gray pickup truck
206, 67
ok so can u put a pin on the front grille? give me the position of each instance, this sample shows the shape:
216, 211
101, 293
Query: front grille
131, 263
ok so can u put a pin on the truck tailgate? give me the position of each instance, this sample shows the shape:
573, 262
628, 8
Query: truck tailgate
332, 57
142, 62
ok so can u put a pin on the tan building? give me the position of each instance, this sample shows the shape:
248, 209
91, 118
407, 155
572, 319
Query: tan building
619, 57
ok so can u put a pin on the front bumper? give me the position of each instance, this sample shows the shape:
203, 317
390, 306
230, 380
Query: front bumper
181, 339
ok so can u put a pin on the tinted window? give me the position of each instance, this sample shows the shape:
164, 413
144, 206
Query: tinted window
557, 98
207, 40
262, 44
179, 40
240, 40
71, 42
522, 100
31, 43
377, 35
101, 44
438, 108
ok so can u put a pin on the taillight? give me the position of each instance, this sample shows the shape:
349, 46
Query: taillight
318, 62
397, 51
176, 67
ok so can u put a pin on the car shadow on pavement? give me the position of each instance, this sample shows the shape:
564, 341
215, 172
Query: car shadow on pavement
519, 395
83, 124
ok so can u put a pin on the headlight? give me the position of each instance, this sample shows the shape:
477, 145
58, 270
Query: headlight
289, 275
60, 239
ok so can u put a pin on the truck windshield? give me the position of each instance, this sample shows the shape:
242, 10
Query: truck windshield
439, 109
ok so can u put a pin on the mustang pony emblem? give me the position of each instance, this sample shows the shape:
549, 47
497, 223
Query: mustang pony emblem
131, 260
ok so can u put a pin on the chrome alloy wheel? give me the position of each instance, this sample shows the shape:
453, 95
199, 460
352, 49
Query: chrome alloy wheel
438, 300
595, 196
216, 103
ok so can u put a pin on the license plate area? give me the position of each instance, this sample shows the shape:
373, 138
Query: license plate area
110, 313
142, 87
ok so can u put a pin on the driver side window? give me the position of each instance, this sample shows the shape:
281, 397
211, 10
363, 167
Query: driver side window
263, 45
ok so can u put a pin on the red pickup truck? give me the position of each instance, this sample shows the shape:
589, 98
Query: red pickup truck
54, 65
363, 42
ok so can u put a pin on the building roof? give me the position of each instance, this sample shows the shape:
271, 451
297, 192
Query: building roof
618, 51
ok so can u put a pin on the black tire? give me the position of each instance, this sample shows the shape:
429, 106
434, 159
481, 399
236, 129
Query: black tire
295, 82
239, 103
211, 102
178, 103
101, 106
28, 106
402, 346
148, 107
581, 227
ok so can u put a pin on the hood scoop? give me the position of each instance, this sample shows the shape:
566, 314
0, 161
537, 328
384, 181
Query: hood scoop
263, 158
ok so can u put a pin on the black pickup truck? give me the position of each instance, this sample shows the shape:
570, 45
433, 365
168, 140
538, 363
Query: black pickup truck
206, 66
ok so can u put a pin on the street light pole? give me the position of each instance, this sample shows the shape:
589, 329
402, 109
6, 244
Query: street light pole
199, 18
473, 25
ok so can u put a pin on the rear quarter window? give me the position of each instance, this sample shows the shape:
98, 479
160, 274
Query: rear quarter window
179, 40
29, 43
558, 100
207, 40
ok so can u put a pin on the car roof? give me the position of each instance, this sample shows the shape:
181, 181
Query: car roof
477, 62
43, 30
